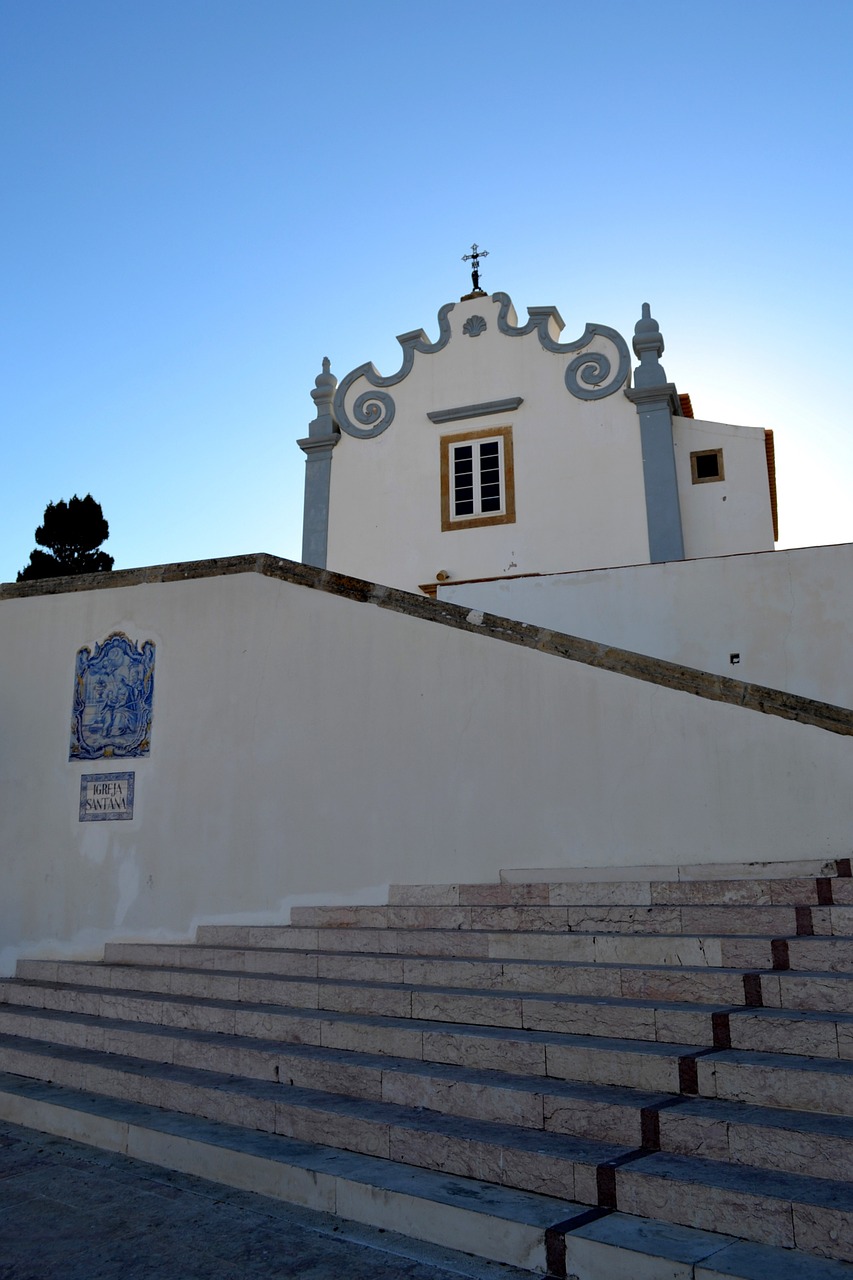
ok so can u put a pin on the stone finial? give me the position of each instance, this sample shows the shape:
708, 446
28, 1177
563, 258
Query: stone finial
648, 345
325, 385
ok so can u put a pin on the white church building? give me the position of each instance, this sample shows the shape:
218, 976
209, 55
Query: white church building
485, 877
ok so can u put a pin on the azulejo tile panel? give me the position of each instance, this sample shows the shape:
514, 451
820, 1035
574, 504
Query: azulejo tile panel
113, 699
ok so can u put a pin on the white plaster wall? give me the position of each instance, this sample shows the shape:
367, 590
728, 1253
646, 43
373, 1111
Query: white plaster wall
789, 614
721, 518
310, 745
578, 468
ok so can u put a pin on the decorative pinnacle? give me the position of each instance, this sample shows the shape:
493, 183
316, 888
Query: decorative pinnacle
323, 393
324, 384
475, 255
648, 345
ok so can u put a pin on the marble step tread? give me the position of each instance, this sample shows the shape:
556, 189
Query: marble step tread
772, 1029
781, 1209
429, 945
753, 1134
508, 1006
475, 944
832, 992
756, 1135
607, 1113
779, 1080
480, 1044
830, 953
774, 870
446, 969
636, 1064
521, 1049
618, 1246
479, 1218
557, 1022
786, 956
476, 1217
528, 1160
786, 891
709, 920
786, 1210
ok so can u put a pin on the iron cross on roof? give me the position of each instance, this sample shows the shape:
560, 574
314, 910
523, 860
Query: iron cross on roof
475, 255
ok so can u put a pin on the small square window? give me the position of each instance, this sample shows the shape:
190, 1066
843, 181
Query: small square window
477, 480
707, 465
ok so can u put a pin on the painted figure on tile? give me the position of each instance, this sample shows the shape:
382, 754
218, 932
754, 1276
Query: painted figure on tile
113, 699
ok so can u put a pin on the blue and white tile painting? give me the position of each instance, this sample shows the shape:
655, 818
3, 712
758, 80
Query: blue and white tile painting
113, 700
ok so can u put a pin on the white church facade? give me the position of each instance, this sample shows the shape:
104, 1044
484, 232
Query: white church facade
484, 877
539, 624
499, 451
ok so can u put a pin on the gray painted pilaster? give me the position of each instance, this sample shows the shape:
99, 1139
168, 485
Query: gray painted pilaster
322, 437
656, 401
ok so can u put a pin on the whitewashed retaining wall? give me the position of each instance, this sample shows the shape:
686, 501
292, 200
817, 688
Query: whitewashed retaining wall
788, 614
315, 745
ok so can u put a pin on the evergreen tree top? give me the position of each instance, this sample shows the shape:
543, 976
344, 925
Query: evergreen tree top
73, 532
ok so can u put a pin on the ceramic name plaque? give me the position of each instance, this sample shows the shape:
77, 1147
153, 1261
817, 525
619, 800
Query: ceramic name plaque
106, 797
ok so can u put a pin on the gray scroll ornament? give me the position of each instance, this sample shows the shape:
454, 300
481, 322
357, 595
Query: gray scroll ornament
374, 410
590, 375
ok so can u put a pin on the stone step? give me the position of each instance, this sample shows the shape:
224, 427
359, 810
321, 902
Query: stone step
749, 951
527, 987
784, 1030
498, 1223
443, 970
672, 920
631, 892
617, 1246
830, 953
634, 1064
806, 955
776, 1080
494, 1152
533, 995
781, 1209
800, 1032
516, 1228
740, 1132
605, 1113
812, 868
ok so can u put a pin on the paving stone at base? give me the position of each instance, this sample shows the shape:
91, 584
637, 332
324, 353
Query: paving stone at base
484, 1220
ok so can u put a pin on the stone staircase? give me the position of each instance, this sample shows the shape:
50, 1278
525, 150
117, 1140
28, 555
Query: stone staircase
648, 1078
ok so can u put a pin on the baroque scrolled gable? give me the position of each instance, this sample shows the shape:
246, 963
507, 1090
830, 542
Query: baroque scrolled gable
599, 364
514, 452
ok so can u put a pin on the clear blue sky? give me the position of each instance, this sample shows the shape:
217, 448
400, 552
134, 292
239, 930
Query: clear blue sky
202, 198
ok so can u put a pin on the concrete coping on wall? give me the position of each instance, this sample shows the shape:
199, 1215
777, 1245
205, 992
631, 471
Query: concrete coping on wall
636, 666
